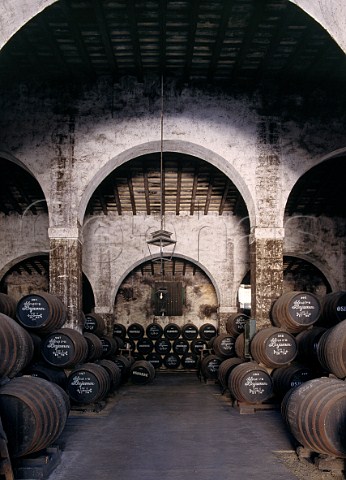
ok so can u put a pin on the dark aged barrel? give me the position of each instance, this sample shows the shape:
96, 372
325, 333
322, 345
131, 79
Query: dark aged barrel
239, 346
189, 331
307, 342
163, 346
113, 371
119, 330
225, 369
198, 345
88, 383
109, 346
315, 413
190, 361
145, 345
224, 345
142, 372
181, 346
333, 309
210, 366
47, 372
296, 311
33, 412
251, 383
124, 363
16, 347
235, 323
172, 331
171, 360
64, 348
95, 346
8, 305
41, 312
94, 323
290, 376
274, 347
154, 331
155, 359
207, 331
135, 331
331, 350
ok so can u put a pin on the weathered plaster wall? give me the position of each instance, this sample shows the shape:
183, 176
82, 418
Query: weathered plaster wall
71, 139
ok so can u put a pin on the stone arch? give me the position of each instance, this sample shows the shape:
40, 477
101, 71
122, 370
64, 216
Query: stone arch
19, 259
177, 146
148, 258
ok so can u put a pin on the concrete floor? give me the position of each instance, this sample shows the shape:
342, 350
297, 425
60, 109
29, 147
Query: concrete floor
176, 428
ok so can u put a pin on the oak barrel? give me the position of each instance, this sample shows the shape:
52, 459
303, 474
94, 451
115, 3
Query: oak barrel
154, 331
16, 347
163, 346
42, 312
47, 372
135, 331
171, 360
113, 371
88, 383
95, 346
33, 412
109, 346
119, 330
315, 413
296, 311
181, 346
172, 331
235, 323
189, 331
274, 347
65, 348
224, 345
190, 361
290, 376
210, 366
307, 342
94, 323
250, 383
145, 345
333, 309
8, 305
142, 372
207, 331
331, 350
225, 369
155, 359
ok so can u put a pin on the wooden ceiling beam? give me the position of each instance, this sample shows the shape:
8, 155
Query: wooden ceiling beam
106, 40
179, 177
162, 23
132, 196
77, 36
117, 198
224, 197
193, 21
53, 44
146, 190
194, 190
227, 9
131, 9
103, 203
210, 191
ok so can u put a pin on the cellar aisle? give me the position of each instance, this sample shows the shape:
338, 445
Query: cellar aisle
176, 428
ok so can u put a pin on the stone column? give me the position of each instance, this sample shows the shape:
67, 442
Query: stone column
266, 259
65, 272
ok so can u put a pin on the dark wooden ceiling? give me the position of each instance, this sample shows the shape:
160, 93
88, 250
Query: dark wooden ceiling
229, 42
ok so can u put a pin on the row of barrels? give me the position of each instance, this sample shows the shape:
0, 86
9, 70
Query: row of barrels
171, 331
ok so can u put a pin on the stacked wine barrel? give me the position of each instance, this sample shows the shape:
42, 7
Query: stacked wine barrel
167, 347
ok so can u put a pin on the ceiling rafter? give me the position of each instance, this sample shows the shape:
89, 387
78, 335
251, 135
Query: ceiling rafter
194, 190
191, 38
132, 14
106, 40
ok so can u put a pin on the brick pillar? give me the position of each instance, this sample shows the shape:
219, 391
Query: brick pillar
266, 258
65, 272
